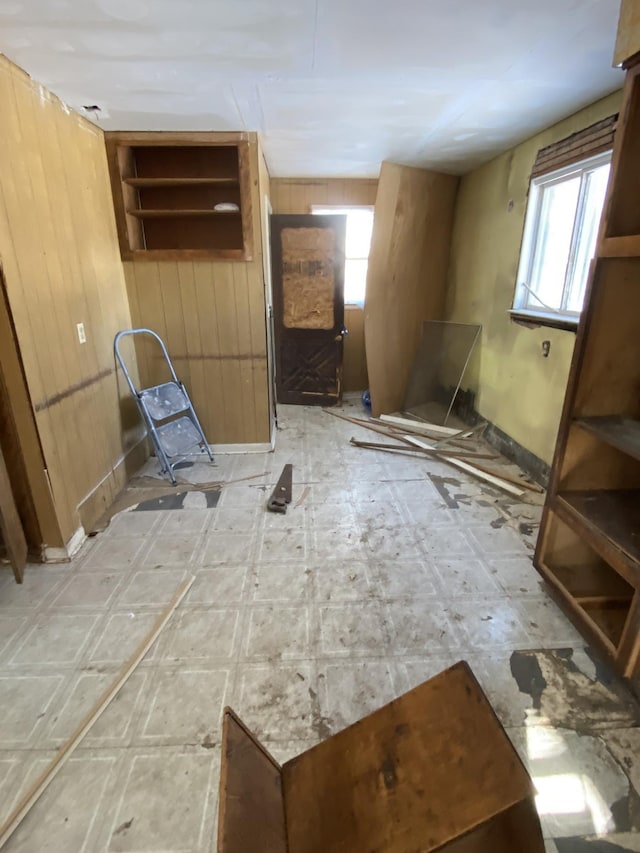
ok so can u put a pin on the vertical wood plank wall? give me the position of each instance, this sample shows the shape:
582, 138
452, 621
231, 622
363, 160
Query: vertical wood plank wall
407, 277
296, 195
62, 266
211, 316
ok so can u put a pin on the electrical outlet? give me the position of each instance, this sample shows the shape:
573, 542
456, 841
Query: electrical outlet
81, 333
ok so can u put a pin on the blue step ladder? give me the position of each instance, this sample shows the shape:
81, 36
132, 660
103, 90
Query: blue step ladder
167, 412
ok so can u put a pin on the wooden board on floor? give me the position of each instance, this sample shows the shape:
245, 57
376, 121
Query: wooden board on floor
251, 809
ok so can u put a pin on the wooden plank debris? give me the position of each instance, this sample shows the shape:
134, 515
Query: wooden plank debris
419, 426
37, 789
493, 479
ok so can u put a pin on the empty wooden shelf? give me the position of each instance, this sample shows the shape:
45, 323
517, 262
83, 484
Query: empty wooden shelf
432, 770
167, 188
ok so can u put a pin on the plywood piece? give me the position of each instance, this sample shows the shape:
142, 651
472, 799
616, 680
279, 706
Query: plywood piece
308, 277
251, 805
406, 281
430, 767
628, 38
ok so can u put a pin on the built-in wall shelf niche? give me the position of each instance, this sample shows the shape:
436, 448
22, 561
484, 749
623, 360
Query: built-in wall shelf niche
181, 195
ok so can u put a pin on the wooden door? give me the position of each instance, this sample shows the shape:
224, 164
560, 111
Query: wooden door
308, 295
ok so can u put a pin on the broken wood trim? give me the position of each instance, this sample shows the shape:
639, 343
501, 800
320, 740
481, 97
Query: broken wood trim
493, 478
434, 451
37, 789
367, 425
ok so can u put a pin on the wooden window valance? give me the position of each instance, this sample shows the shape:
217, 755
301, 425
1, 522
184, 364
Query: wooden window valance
593, 140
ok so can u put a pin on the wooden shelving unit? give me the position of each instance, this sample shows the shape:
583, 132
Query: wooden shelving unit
166, 188
589, 543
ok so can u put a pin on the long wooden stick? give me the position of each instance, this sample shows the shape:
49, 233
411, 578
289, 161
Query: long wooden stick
24, 805
494, 479
418, 426
367, 425
533, 487
434, 451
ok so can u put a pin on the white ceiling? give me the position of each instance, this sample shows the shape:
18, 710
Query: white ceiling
333, 86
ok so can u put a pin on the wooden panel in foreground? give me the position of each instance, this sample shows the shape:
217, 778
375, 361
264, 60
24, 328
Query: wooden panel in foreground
432, 770
251, 810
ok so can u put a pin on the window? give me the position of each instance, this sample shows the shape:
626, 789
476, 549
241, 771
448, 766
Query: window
358, 242
560, 233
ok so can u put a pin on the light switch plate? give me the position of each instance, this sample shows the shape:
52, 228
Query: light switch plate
81, 333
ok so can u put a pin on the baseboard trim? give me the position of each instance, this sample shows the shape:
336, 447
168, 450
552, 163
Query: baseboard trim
230, 449
100, 498
63, 555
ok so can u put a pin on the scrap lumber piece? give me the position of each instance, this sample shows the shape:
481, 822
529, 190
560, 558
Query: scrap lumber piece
419, 426
37, 789
493, 478
366, 425
433, 451
518, 481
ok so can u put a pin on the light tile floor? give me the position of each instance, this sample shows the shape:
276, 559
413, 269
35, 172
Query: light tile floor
389, 570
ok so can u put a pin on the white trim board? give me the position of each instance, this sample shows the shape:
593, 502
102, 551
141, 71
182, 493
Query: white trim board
63, 555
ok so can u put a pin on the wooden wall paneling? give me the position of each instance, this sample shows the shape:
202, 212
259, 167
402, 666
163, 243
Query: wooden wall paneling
86, 406
258, 344
11, 530
43, 361
296, 195
355, 364
406, 281
245, 350
214, 408
228, 341
194, 352
63, 271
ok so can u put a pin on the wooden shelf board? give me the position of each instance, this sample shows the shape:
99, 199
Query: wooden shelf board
620, 247
182, 182
187, 255
621, 433
179, 213
611, 514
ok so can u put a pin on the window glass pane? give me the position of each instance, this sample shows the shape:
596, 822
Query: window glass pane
359, 227
549, 268
355, 281
596, 188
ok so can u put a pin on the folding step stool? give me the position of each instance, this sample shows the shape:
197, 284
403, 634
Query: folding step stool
173, 437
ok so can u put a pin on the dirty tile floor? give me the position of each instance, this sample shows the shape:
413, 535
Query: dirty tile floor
385, 570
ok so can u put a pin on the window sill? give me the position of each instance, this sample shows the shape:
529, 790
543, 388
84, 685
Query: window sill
533, 319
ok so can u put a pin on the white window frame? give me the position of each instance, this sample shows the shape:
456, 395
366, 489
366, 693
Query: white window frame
343, 210
523, 298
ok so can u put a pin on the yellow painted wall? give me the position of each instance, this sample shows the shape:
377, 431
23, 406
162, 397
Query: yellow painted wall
296, 195
517, 389
61, 262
